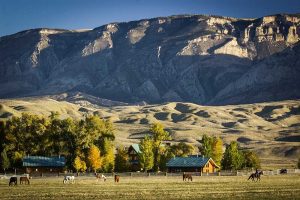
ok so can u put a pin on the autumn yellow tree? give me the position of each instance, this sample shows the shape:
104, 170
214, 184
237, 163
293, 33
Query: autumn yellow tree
217, 150
94, 158
79, 164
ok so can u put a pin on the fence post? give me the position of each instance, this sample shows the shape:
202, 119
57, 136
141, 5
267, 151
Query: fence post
200, 173
219, 173
166, 174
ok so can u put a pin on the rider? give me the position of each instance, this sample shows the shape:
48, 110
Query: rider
256, 172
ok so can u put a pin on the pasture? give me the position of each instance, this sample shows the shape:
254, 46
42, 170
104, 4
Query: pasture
211, 187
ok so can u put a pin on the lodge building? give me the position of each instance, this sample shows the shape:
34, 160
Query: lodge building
192, 164
40, 164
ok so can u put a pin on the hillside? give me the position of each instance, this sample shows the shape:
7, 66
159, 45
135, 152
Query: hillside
208, 60
271, 129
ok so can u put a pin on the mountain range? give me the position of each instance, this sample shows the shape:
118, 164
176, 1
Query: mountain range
208, 60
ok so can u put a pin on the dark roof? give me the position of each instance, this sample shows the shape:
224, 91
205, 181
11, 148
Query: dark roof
187, 162
40, 161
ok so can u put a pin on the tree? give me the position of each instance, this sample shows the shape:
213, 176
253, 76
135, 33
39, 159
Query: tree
233, 158
5, 163
146, 157
121, 160
108, 162
251, 160
182, 149
206, 148
95, 161
158, 134
217, 150
79, 164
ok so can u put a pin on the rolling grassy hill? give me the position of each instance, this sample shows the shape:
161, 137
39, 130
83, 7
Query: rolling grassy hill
271, 129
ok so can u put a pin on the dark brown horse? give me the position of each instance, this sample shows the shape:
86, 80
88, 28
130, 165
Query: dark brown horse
117, 178
256, 176
24, 179
187, 176
13, 180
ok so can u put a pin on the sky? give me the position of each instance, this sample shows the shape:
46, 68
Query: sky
18, 15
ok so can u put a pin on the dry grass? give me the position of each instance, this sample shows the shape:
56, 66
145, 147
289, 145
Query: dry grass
271, 187
271, 129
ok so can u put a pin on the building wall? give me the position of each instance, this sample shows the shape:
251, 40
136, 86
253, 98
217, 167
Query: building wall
40, 170
184, 169
209, 168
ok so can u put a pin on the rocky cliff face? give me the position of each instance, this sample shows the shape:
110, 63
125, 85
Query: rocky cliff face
201, 59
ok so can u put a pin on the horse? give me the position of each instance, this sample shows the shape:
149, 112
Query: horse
24, 179
100, 176
69, 179
187, 176
13, 180
256, 176
283, 171
117, 178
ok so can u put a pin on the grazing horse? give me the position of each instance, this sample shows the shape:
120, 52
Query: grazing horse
117, 178
13, 180
24, 179
187, 176
256, 176
69, 179
100, 176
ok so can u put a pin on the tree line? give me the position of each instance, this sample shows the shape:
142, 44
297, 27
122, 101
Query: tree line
88, 144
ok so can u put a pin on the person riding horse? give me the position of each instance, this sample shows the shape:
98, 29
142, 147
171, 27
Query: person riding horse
256, 175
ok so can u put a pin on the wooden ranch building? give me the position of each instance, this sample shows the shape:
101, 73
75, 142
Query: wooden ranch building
39, 164
133, 152
192, 164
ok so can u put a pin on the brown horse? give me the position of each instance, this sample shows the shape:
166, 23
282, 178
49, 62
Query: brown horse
187, 176
117, 178
24, 179
13, 180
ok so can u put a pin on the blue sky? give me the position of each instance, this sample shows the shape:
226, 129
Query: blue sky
18, 15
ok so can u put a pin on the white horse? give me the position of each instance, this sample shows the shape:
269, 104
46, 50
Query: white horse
98, 176
69, 179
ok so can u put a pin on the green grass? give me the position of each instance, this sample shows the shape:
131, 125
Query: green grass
270, 187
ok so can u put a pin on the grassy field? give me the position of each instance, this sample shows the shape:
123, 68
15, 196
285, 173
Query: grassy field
270, 187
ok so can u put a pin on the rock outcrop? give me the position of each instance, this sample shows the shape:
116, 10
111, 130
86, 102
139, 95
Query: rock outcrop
194, 58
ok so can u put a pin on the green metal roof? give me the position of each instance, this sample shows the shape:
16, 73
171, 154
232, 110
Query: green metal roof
136, 147
40, 161
187, 162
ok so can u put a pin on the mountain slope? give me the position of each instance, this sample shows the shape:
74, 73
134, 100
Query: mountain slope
193, 58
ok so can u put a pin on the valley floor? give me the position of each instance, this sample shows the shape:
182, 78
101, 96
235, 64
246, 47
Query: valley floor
230, 187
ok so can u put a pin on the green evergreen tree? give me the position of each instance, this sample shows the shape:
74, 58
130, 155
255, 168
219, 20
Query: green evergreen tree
233, 158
